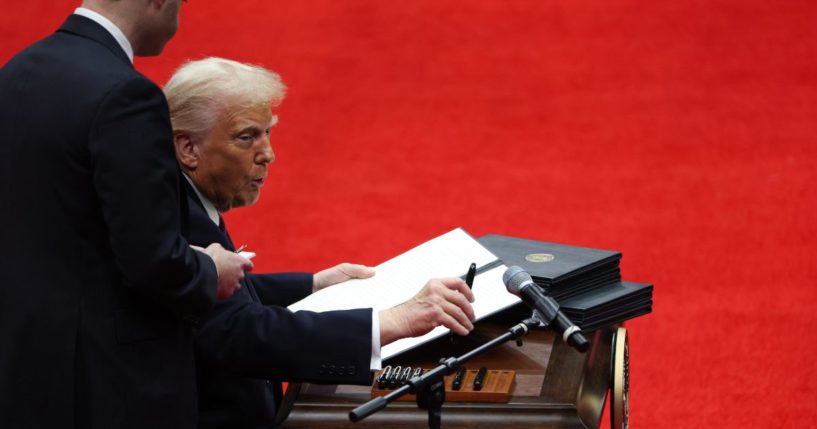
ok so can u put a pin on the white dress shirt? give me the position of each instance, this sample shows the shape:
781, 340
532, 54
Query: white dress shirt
110, 26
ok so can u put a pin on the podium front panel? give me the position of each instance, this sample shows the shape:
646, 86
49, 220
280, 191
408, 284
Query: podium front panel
555, 387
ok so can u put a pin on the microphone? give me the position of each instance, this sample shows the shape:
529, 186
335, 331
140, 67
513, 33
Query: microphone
520, 283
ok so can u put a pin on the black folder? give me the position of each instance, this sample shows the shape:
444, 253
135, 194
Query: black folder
585, 281
559, 269
610, 296
609, 304
592, 325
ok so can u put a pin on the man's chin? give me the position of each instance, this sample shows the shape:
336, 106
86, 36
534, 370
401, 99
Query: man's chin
246, 201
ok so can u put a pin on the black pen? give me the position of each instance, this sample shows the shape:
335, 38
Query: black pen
480, 378
472, 272
458, 377
469, 281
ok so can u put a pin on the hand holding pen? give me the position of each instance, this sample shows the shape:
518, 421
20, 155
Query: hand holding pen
243, 253
469, 278
469, 281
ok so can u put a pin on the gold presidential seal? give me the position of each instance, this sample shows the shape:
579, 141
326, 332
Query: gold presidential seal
539, 257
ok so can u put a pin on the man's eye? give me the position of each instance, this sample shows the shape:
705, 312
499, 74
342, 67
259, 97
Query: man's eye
246, 138
267, 131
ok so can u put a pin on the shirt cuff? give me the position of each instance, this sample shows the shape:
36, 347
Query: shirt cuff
377, 362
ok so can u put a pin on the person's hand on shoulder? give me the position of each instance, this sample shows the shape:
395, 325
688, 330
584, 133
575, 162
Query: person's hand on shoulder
340, 273
445, 302
230, 267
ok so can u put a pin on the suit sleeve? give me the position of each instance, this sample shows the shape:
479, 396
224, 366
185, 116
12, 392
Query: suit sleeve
248, 338
137, 182
282, 288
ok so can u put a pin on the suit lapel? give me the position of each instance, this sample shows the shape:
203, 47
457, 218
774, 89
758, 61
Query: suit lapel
201, 230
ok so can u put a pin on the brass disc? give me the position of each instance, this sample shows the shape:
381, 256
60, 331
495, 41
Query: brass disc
620, 381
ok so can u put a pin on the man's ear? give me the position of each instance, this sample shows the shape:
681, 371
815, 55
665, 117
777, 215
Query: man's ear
187, 152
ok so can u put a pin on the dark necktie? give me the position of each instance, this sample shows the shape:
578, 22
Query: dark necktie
223, 229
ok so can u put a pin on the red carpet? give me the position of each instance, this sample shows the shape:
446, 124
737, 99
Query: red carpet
683, 133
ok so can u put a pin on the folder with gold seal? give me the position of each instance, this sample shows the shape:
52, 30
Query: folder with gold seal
585, 281
561, 270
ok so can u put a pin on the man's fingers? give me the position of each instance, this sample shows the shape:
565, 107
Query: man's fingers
452, 324
459, 301
442, 302
238, 260
458, 314
456, 291
246, 265
340, 273
458, 285
228, 291
230, 267
214, 246
355, 271
453, 303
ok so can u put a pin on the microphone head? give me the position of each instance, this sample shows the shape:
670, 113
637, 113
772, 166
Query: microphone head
515, 278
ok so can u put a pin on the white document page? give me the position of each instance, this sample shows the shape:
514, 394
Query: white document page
400, 278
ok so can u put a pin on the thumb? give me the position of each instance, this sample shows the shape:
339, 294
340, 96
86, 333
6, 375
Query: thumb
356, 271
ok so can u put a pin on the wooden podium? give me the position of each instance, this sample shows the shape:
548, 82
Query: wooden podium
555, 386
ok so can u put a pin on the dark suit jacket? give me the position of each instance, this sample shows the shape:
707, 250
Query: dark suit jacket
250, 342
95, 278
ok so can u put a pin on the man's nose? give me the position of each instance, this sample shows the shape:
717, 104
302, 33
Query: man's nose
266, 155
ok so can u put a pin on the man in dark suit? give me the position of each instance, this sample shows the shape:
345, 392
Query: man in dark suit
221, 116
97, 285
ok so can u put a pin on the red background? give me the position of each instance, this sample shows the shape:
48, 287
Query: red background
679, 132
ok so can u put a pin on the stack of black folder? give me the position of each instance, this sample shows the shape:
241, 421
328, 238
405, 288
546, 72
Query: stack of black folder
608, 304
586, 282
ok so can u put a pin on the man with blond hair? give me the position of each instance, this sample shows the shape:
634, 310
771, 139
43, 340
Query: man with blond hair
222, 121
98, 289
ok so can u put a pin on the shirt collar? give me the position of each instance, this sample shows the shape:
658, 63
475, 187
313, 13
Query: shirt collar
106, 23
212, 213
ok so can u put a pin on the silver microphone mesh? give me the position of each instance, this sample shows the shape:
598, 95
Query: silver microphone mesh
515, 278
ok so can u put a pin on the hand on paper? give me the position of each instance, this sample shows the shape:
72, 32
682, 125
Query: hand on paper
444, 302
340, 273
230, 267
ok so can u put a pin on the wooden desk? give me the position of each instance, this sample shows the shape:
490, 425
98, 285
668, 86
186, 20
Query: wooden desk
556, 386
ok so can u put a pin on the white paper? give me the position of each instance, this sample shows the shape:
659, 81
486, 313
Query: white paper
400, 278
248, 255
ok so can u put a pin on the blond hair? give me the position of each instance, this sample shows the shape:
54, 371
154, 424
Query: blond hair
199, 89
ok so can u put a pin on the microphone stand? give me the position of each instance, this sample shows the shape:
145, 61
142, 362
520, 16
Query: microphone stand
429, 387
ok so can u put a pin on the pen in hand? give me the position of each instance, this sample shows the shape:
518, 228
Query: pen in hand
469, 281
472, 272
242, 252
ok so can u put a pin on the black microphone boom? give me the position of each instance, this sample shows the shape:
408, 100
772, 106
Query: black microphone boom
520, 283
